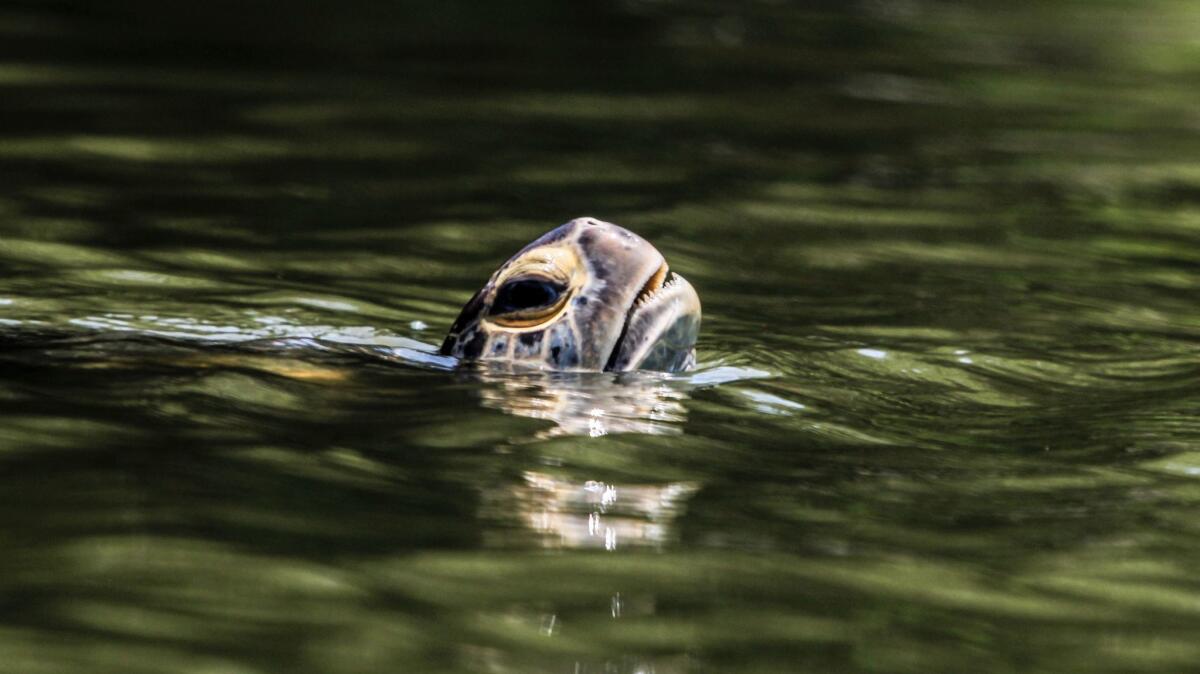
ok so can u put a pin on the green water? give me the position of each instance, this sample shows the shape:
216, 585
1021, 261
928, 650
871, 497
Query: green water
946, 413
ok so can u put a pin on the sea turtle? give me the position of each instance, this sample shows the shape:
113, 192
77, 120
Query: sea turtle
586, 296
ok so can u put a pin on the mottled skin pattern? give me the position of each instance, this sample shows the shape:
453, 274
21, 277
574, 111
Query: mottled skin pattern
620, 309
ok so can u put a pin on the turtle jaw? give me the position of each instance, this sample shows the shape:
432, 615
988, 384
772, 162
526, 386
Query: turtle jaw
661, 327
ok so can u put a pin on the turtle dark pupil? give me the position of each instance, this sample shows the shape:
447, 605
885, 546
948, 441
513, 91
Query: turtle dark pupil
525, 294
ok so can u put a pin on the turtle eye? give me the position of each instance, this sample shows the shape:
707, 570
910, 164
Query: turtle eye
527, 299
526, 294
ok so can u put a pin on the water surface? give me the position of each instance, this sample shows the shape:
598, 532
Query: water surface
946, 412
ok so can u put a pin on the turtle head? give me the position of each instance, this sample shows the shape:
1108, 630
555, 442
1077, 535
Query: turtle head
588, 295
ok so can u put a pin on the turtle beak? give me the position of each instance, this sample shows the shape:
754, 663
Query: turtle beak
661, 327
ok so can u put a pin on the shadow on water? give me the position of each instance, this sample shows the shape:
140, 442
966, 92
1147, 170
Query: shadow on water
945, 418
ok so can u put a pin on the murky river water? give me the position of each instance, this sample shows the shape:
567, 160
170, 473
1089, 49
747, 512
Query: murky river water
945, 418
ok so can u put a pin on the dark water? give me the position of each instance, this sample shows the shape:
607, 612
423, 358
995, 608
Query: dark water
946, 414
